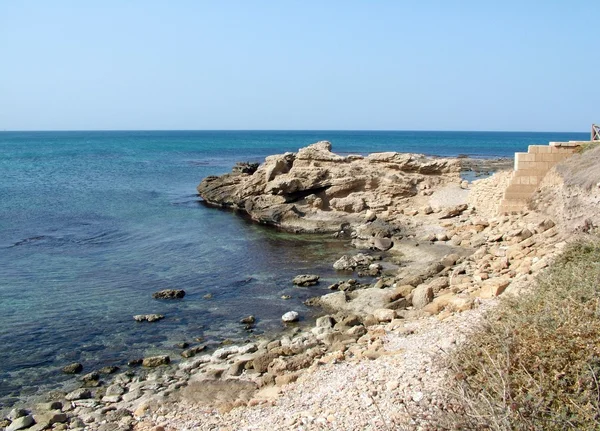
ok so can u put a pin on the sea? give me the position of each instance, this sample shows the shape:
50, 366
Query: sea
93, 222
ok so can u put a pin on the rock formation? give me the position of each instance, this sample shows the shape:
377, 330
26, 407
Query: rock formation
315, 190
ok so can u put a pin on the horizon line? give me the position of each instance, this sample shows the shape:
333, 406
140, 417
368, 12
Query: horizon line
286, 130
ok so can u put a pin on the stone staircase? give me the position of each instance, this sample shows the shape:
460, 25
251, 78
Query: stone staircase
530, 168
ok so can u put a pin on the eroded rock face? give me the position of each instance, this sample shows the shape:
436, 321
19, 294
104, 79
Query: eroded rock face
315, 190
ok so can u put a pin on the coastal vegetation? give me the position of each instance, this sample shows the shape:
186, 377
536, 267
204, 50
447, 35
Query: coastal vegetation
535, 362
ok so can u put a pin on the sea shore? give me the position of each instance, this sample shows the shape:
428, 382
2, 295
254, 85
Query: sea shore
376, 357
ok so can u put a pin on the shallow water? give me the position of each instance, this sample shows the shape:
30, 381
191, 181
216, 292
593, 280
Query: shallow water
92, 223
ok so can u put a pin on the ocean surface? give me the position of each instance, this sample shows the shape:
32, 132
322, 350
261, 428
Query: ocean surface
92, 223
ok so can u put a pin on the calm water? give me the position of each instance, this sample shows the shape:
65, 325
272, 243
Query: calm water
92, 223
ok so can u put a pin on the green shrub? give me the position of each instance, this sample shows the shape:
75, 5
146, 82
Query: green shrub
535, 363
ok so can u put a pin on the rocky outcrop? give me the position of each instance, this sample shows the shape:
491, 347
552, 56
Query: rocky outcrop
315, 190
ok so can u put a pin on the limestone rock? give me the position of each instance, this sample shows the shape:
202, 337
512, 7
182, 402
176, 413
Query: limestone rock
290, 316
155, 361
306, 280
453, 211
79, 394
21, 423
493, 287
315, 190
422, 296
384, 314
383, 244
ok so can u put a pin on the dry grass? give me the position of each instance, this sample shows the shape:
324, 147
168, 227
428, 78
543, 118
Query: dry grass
535, 365
583, 169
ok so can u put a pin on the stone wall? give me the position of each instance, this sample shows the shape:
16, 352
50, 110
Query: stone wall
530, 168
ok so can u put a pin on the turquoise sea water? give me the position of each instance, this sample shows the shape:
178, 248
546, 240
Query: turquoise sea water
92, 223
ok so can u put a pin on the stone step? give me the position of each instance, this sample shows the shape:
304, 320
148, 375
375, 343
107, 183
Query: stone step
521, 188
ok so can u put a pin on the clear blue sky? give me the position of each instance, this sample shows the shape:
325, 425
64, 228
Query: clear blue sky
399, 65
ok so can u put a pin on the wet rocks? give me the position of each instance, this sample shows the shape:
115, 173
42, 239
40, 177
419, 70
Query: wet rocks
290, 316
148, 317
248, 320
73, 368
306, 280
188, 353
169, 294
156, 361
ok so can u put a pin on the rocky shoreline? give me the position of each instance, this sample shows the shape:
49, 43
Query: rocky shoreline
374, 360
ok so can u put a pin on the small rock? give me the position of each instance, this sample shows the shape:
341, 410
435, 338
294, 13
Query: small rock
383, 244
115, 390
111, 369
73, 368
306, 280
169, 294
94, 376
384, 315
135, 362
422, 296
248, 320
193, 351
79, 394
111, 398
290, 316
155, 361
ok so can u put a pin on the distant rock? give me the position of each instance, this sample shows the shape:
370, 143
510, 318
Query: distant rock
148, 317
169, 294
306, 280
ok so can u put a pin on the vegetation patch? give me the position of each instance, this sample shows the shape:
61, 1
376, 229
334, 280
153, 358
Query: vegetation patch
535, 363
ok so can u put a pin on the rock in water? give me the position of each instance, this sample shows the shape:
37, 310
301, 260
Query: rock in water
290, 316
148, 317
155, 361
306, 280
248, 320
169, 294
73, 368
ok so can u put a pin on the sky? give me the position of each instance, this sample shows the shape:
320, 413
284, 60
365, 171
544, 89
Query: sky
299, 65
